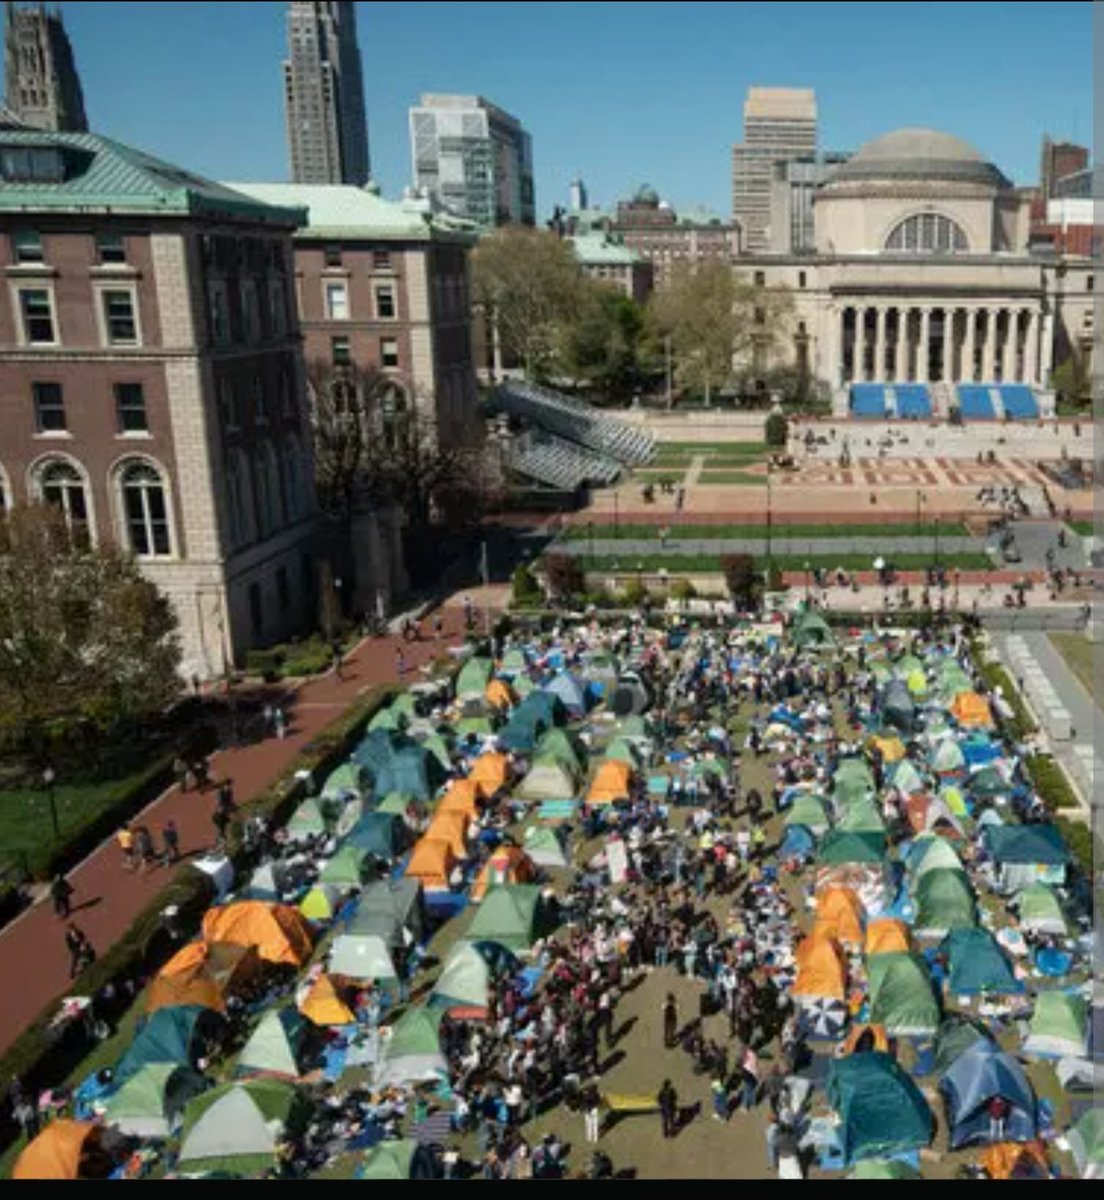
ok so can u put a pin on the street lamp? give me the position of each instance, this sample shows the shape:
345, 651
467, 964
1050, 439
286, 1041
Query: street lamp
48, 778
808, 585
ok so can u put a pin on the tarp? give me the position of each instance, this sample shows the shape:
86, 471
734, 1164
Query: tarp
474, 678
399, 1160
57, 1151
841, 847
431, 864
887, 936
1034, 845
820, 970
324, 1006
150, 1104
840, 916
978, 965
413, 1052
902, 997
278, 1046
611, 785
490, 774
548, 780
281, 935
347, 868
944, 901
236, 1129
980, 1074
972, 711
1059, 1026
180, 1036
1086, 1141
1041, 912
508, 916
544, 848
507, 865
882, 1112
451, 828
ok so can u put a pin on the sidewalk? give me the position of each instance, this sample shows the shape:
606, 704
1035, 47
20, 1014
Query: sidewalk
107, 898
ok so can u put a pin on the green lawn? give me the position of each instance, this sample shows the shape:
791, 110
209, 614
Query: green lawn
708, 449
1079, 655
711, 533
1083, 528
711, 563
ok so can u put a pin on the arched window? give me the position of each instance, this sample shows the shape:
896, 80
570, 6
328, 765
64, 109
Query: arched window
392, 408
928, 233
146, 511
62, 485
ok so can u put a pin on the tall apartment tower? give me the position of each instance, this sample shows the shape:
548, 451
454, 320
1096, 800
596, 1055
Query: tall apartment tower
475, 159
780, 124
324, 86
1060, 160
580, 201
43, 89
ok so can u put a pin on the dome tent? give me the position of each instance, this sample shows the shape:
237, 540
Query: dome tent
979, 1074
365, 958
1059, 1026
236, 1129
1041, 912
811, 630
150, 1103
932, 853
571, 693
882, 1112
474, 677
956, 1035
1086, 1141
399, 1160
280, 1047
64, 1150
508, 916
468, 976
809, 810
944, 901
179, 1036
548, 779
413, 1052
902, 998
280, 934
978, 966
545, 849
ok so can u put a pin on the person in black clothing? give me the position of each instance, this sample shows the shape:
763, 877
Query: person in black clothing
80, 949
668, 1108
171, 837
221, 821
670, 1022
61, 891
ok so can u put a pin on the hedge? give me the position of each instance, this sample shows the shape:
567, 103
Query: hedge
1020, 724
1050, 782
1079, 838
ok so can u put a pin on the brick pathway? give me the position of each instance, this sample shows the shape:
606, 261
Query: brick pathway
107, 898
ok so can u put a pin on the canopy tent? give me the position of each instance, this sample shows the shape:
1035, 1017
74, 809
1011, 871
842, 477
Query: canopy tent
308, 821
932, 853
887, 936
281, 935
279, 1047
956, 1035
811, 631
474, 678
413, 1052
203, 975
840, 916
399, 1160
151, 1103
809, 810
325, 1006
451, 828
179, 1036
350, 779
902, 998
468, 976
507, 865
382, 835
821, 974
364, 957
843, 847
431, 864
508, 916
548, 780
1059, 1026
571, 693
545, 849
64, 1150
947, 758
1086, 1142
882, 1112
972, 711
490, 774
1041, 911
236, 1129
978, 966
980, 1074
557, 745
349, 868
944, 902
612, 784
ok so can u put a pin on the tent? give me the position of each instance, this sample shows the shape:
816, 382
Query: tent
236, 1129
1041, 912
349, 779
523, 732
948, 759
978, 966
1059, 1026
324, 1005
988, 783
150, 1103
465, 983
809, 810
558, 745
842, 847
268, 883
396, 909
413, 771
64, 1150
840, 916
887, 936
570, 692
399, 1160
862, 816
474, 678
348, 868
944, 901
1086, 1141
480, 727
514, 661
613, 783
382, 835
955, 801
630, 698
882, 1112
398, 805
413, 1052
490, 774
180, 1036
972, 711
892, 749
545, 849
820, 970
885, 1170
897, 707
1013, 1160
622, 750
364, 957
811, 631
462, 797
1026, 855
851, 1042
508, 916
307, 821
499, 695
926, 813
548, 780
452, 828
932, 853
917, 683
280, 1046
280, 934
388, 720
907, 779
983, 1072
798, 842
202, 976
431, 864
901, 996
956, 1035
508, 865
542, 707
854, 770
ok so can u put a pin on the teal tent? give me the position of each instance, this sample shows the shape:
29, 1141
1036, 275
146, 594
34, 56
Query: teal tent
412, 771
977, 965
843, 849
380, 834
882, 1112
181, 1036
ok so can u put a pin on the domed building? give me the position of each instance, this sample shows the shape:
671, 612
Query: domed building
922, 276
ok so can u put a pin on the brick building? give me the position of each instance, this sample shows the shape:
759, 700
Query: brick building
152, 375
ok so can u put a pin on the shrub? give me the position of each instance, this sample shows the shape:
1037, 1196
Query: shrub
777, 431
1084, 847
635, 594
266, 663
526, 591
1051, 784
744, 582
775, 580
684, 590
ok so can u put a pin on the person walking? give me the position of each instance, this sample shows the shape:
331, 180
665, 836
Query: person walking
438, 627
749, 1069
670, 1022
80, 950
61, 891
592, 1109
170, 837
400, 661
125, 839
143, 845
221, 821
280, 723
336, 661
180, 770
668, 1109
226, 797
720, 1100
202, 775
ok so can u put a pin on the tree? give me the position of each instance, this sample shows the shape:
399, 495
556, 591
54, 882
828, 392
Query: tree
713, 317
777, 431
602, 344
1072, 381
529, 285
564, 576
87, 643
745, 584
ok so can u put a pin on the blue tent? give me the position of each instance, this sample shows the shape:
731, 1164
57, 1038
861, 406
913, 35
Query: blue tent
798, 843
783, 716
380, 834
543, 706
375, 752
978, 965
975, 1078
412, 772
172, 1035
570, 692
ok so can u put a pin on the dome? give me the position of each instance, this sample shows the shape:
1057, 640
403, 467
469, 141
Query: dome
920, 154
647, 195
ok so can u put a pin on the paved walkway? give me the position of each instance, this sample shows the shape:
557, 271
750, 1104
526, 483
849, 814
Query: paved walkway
108, 898
781, 546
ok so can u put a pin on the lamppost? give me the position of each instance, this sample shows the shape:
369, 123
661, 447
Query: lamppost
808, 585
48, 779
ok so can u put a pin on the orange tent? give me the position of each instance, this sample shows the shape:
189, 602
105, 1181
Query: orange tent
451, 827
820, 970
1000, 1161
506, 866
881, 1039
199, 991
432, 863
462, 797
611, 783
280, 934
56, 1153
972, 711
203, 975
324, 1006
491, 774
887, 936
840, 916
499, 695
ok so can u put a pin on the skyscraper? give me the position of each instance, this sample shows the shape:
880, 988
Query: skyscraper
475, 159
324, 85
43, 89
780, 124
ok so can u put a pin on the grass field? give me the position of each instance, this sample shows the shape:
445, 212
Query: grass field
1078, 653
731, 479
711, 563
716, 533
1083, 528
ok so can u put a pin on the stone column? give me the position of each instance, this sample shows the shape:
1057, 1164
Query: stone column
924, 350
1046, 349
948, 344
989, 349
969, 346
835, 348
1031, 351
1012, 333
902, 365
860, 345
880, 347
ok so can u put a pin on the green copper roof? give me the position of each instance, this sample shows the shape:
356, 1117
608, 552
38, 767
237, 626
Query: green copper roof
341, 213
596, 250
101, 174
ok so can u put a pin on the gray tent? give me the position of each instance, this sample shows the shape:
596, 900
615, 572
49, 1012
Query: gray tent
394, 911
898, 708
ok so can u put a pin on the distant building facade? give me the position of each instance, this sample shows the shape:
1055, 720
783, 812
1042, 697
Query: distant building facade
794, 186
152, 371
324, 95
474, 159
42, 87
608, 261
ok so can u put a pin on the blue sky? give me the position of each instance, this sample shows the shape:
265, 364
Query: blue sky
622, 93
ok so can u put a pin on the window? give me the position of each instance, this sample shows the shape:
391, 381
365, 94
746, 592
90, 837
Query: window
111, 249
28, 246
337, 302
385, 302
250, 320
228, 401
42, 165
1090, 283
276, 308
287, 408
389, 353
145, 511
38, 317
260, 404
283, 589
62, 487
220, 326
801, 279
119, 318
381, 260
928, 233
333, 256
341, 354
49, 405
760, 316
130, 408
760, 279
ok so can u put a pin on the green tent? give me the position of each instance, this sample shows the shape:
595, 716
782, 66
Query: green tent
350, 777
810, 631
842, 849
978, 966
544, 848
557, 746
468, 976
1027, 845
399, 1160
944, 901
235, 1129
906, 779
150, 1103
388, 720
508, 916
907, 666
956, 1035
621, 750
932, 853
396, 804
988, 784
902, 997
548, 779
1086, 1141
279, 1046
365, 958
862, 816
852, 770
716, 768
515, 662
882, 1112
848, 791
474, 677
413, 1053
523, 686
884, 1170
1041, 911
321, 902
475, 727
439, 749
809, 810
948, 757
346, 868
1059, 1026
307, 821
